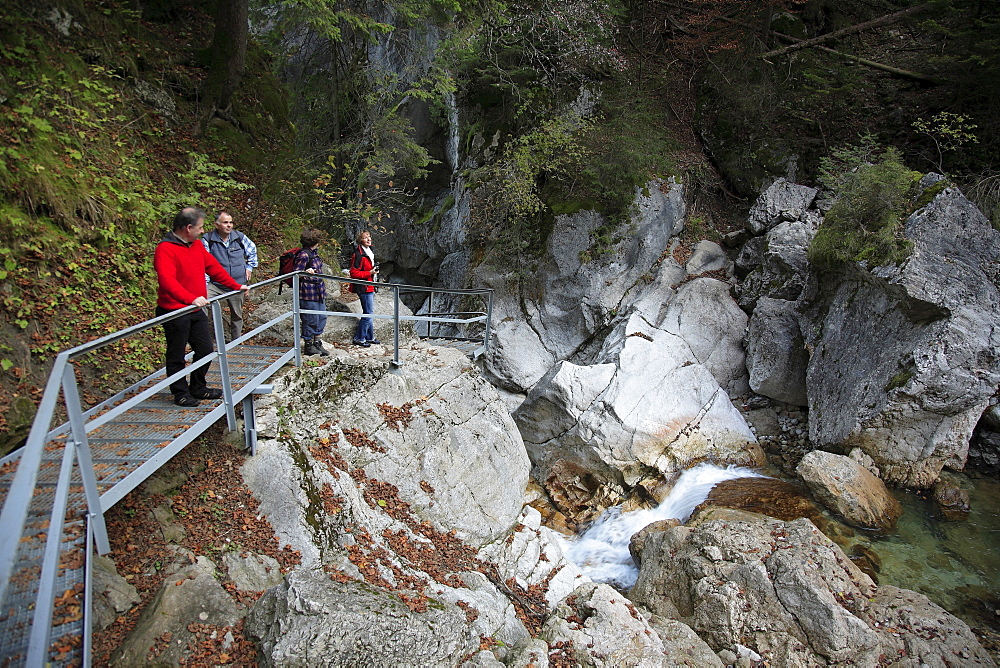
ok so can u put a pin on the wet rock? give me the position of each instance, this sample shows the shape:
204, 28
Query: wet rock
638, 539
849, 490
579, 494
766, 496
952, 500
867, 560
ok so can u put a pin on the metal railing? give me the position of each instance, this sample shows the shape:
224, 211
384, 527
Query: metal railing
62, 384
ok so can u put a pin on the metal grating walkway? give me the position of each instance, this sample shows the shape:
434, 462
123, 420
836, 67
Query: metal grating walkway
124, 451
55, 490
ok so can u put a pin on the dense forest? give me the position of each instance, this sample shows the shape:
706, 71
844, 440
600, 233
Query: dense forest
334, 113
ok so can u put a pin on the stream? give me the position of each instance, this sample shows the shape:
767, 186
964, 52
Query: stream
956, 564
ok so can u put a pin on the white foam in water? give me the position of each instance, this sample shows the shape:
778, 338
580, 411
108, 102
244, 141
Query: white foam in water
601, 551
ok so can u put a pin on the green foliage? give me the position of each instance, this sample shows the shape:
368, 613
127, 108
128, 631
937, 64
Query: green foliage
948, 131
873, 193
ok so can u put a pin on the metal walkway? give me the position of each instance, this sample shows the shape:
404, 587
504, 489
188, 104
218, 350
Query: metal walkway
56, 489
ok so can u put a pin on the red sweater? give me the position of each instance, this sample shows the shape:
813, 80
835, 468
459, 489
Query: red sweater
180, 270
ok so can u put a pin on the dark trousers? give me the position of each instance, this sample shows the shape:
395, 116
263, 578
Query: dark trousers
191, 328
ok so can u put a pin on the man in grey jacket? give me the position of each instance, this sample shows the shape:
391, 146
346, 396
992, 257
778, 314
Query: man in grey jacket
238, 256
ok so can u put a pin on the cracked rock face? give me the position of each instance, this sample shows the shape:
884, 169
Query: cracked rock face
435, 424
573, 295
789, 594
649, 404
905, 359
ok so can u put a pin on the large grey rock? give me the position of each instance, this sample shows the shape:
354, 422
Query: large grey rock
310, 620
650, 405
707, 256
406, 487
606, 628
850, 490
682, 646
435, 424
705, 317
782, 201
532, 556
191, 595
782, 270
571, 298
905, 358
776, 357
252, 572
785, 592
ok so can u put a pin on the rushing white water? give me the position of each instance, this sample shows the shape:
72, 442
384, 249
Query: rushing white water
601, 551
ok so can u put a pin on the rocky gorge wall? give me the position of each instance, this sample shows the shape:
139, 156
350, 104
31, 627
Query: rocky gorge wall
404, 491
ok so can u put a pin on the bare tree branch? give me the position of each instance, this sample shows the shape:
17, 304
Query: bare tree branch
850, 30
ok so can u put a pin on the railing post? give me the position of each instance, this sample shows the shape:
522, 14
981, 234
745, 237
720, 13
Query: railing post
489, 319
81, 445
15, 507
88, 600
395, 325
430, 313
220, 342
296, 320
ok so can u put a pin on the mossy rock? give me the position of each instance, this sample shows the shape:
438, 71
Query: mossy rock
20, 415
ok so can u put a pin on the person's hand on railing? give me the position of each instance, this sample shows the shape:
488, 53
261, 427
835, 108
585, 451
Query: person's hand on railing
200, 301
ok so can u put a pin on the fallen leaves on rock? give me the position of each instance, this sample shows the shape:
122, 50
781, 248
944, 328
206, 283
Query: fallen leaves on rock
396, 417
218, 514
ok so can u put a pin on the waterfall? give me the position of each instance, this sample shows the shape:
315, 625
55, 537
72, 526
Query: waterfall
601, 551
452, 146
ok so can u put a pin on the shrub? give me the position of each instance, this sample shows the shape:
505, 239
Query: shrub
871, 199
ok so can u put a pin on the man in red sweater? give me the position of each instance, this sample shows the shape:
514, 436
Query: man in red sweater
181, 263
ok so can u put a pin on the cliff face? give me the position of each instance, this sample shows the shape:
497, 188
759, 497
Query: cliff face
902, 360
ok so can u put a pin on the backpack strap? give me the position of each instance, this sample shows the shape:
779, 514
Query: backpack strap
356, 258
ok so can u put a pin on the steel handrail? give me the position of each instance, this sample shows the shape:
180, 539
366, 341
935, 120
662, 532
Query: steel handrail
22, 488
62, 381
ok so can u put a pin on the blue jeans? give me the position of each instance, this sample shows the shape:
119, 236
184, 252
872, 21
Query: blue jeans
366, 330
312, 324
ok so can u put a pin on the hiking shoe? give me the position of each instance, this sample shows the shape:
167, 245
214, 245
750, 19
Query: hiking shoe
186, 400
208, 393
363, 344
374, 342
318, 348
308, 349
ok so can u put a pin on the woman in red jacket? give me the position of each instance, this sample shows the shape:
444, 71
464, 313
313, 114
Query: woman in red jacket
363, 266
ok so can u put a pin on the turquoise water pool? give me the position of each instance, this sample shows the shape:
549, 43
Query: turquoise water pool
955, 564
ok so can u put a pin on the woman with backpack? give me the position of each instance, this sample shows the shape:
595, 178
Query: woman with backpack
363, 267
312, 291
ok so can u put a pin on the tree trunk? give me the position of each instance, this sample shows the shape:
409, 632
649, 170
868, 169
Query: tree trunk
229, 55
